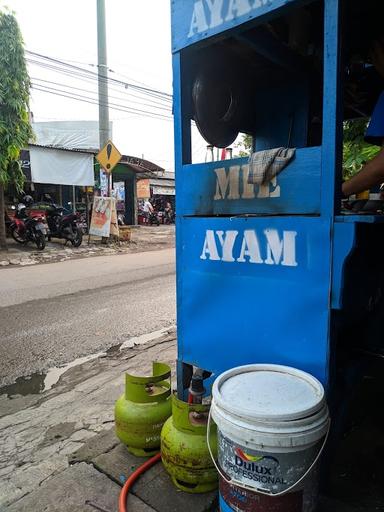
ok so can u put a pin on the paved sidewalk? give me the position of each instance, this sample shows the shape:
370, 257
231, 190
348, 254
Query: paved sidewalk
58, 450
144, 238
59, 453
39, 433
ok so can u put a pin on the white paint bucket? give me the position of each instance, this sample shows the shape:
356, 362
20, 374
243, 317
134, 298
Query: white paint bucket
272, 425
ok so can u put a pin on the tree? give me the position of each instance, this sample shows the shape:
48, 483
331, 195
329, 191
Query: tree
15, 128
245, 145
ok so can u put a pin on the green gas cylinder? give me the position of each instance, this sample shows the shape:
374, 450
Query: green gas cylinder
184, 450
141, 411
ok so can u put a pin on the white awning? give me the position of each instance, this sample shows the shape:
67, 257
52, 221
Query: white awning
61, 167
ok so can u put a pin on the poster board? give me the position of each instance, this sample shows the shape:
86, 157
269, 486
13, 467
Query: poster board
104, 217
143, 189
114, 224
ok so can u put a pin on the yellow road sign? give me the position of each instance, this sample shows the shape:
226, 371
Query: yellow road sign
109, 156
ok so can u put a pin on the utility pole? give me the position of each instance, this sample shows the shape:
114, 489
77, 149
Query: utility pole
103, 80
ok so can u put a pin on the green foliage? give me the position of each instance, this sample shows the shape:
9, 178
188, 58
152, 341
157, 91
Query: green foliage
245, 145
356, 152
15, 128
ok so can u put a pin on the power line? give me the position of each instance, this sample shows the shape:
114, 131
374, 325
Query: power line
94, 101
92, 79
110, 70
34, 79
94, 65
155, 99
78, 97
79, 69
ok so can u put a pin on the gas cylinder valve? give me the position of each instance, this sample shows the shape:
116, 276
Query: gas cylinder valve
196, 388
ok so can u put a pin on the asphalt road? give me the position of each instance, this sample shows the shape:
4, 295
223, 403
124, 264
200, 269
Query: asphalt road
52, 314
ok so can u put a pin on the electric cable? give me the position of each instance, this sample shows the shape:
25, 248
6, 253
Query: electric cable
34, 79
80, 69
132, 111
158, 103
93, 80
92, 101
96, 75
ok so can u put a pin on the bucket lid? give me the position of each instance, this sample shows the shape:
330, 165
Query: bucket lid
268, 392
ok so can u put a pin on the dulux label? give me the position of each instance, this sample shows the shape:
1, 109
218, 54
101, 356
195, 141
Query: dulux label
271, 471
210, 14
267, 246
256, 469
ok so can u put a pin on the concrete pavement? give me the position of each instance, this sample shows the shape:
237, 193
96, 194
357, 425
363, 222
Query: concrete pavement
23, 284
143, 238
52, 314
39, 432
58, 451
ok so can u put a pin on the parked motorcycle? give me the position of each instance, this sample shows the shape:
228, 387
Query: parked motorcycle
169, 217
63, 224
153, 218
25, 228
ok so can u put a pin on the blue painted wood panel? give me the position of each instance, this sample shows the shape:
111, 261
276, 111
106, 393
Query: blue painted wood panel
194, 20
356, 219
221, 188
281, 118
332, 112
236, 308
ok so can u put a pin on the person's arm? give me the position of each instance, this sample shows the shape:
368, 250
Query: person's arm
370, 175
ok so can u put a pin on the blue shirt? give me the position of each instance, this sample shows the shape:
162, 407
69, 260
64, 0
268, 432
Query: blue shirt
375, 130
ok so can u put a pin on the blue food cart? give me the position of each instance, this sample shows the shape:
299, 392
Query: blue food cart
272, 270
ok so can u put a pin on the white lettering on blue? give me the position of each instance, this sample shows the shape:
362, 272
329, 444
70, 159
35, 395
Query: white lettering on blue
227, 242
225, 181
237, 8
215, 7
250, 248
233, 184
198, 21
212, 13
278, 250
210, 248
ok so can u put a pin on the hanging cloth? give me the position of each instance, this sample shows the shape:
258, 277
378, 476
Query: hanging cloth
265, 165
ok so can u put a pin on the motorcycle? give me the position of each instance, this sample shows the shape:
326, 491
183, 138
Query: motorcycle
169, 217
153, 218
63, 224
25, 228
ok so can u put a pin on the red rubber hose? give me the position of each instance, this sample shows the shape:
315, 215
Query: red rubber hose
132, 478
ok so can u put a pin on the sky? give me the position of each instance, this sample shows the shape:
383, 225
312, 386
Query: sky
139, 52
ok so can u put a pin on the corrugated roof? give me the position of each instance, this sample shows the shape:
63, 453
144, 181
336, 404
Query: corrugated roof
140, 165
73, 150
